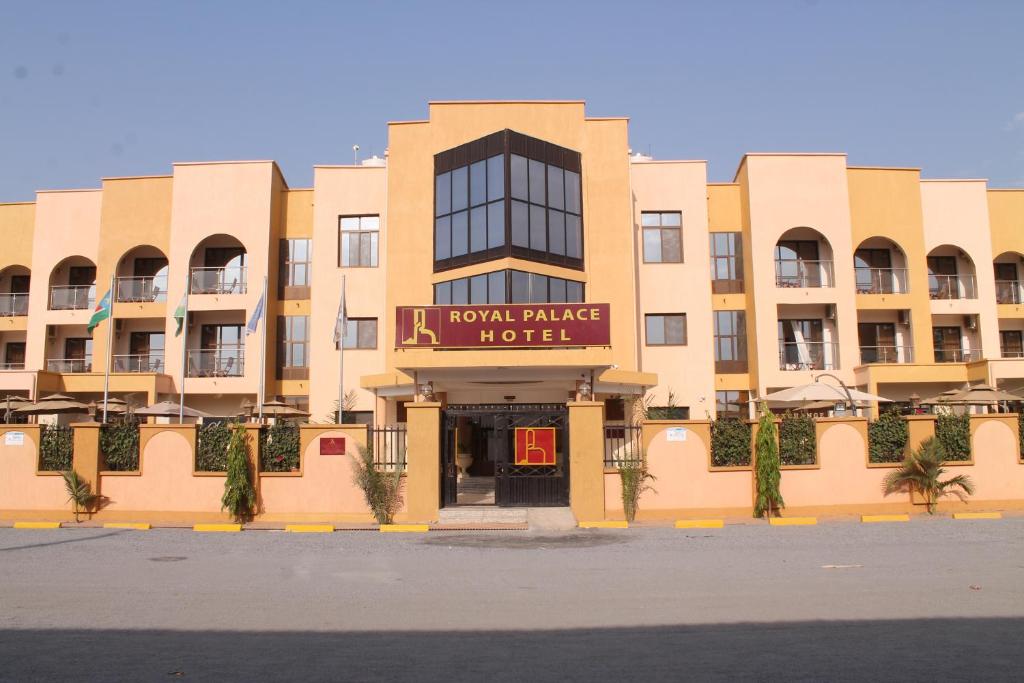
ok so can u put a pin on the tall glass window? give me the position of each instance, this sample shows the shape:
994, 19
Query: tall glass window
357, 241
507, 286
726, 263
730, 341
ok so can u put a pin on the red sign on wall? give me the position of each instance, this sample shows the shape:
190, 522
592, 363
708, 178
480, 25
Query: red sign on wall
535, 446
332, 445
502, 326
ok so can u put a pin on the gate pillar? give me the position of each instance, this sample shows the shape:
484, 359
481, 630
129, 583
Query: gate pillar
423, 444
586, 460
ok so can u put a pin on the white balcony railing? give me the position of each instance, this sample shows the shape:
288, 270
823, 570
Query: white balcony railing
808, 355
139, 362
12, 366
227, 280
803, 274
962, 286
72, 297
1009, 292
13, 303
1011, 353
142, 289
69, 365
881, 280
957, 355
223, 362
886, 354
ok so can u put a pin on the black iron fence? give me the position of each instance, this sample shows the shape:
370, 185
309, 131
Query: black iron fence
389, 446
623, 444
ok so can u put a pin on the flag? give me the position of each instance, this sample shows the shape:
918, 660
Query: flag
257, 315
342, 320
101, 313
179, 314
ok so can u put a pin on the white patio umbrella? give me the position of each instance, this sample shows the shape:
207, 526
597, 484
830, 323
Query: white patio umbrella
169, 409
820, 391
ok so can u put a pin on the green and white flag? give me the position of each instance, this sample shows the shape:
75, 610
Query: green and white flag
101, 312
179, 314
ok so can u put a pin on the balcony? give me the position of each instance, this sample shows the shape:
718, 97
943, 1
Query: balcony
961, 286
801, 274
69, 365
881, 280
808, 355
226, 280
1011, 353
142, 289
886, 354
138, 362
957, 355
72, 297
12, 366
222, 362
13, 303
1009, 292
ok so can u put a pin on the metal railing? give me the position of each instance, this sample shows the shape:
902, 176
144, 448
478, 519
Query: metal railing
223, 362
139, 362
957, 355
886, 354
622, 444
142, 289
881, 280
809, 355
227, 280
389, 446
69, 365
803, 274
14, 303
72, 297
962, 286
12, 366
1014, 353
1009, 292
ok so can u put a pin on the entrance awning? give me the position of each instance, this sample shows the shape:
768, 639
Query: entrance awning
607, 380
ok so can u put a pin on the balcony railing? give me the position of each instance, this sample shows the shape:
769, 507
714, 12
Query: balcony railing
142, 289
881, 280
72, 297
224, 362
229, 280
952, 287
69, 365
803, 274
1011, 353
1009, 292
808, 355
12, 366
14, 303
957, 355
886, 354
139, 362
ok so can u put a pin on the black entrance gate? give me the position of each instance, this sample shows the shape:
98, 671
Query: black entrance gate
514, 485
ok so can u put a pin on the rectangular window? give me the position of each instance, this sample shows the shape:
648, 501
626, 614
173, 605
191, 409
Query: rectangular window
361, 333
948, 344
491, 288
730, 341
666, 329
357, 243
663, 236
294, 277
293, 347
1011, 343
731, 404
726, 263
14, 355
877, 342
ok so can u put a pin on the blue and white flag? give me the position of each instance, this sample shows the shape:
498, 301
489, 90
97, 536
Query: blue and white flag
257, 315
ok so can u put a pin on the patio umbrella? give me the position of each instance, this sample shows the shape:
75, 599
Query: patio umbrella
114, 405
947, 396
820, 391
827, 405
54, 404
983, 393
9, 403
282, 409
169, 409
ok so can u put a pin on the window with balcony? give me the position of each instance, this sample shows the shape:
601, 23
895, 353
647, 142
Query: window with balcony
802, 346
221, 352
293, 347
665, 329
873, 270
222, 268
731, 404
75, 290
294, 276
145, 353
15, 301
77, 356
878, 343
948, 345
951, 274
360, 333
663, 236
1011, 343
14, 356
507, 286
1008, 287
726, 263
797, 264
730, 341
358, 240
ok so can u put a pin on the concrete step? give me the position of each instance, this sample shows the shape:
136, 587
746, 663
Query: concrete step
482, 514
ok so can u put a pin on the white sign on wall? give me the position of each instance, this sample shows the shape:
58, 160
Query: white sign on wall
14, 439
676, 433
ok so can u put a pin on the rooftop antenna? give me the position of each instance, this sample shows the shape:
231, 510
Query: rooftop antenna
355, 155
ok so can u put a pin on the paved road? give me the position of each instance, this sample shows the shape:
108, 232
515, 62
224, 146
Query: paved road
932, 599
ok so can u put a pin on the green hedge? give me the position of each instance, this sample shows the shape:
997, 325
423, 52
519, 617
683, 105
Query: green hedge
887, 438
279, 447
954, 433
797, 440
730, 443
56, 448
119, 444
212, 447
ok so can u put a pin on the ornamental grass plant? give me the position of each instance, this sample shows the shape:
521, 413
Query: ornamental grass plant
920, 474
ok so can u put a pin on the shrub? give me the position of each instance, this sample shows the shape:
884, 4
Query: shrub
239, 495
79, 492
212, 447
920, 473
381, 488
119, 444
767, 472
634, 475
953, 432
730, 443
56, 448
887, 438
797, 442
279, 447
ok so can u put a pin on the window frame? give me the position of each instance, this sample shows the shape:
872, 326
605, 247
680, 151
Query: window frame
661, 229
737, 341
508, 274
286, 342
357, 321
734, 261
373, 235
286, 289
647, 319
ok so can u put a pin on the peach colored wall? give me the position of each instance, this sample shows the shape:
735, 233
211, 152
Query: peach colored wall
997, 472
20, 487
842, 479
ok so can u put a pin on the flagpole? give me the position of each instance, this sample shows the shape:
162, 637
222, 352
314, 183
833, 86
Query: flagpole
341, 351
263, 352
110, 346
184, 349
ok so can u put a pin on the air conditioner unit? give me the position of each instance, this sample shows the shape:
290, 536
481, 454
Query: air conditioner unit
118, 326
51, 333
903, 316
191, 319
971, 322
830, 311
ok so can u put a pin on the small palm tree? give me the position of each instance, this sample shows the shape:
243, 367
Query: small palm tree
79, 494
920, 472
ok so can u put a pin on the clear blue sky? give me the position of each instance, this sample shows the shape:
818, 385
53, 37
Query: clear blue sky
91, 89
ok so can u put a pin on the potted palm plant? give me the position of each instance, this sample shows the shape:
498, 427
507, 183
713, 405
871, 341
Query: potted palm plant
920, 474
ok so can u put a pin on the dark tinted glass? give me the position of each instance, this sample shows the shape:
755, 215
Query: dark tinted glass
442, 238
520, 225
478, 229
520, 186
478, 183
495, 178
443, 193
460, 188
460, 233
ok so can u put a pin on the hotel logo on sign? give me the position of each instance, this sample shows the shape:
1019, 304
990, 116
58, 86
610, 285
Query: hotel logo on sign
535, 446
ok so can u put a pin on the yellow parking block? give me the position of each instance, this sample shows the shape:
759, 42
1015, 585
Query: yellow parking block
310, 528
217, 527
138, 526
700, 524
604, 525
37, 525
977, 515
404, 528
793, 521
870, 519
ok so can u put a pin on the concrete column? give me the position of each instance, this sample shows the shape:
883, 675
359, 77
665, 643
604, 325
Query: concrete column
86, 460
586, 460
423, 472
919, 428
